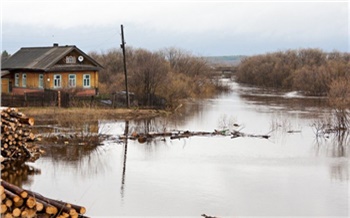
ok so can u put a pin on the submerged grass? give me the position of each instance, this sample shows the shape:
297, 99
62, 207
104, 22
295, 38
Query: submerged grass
79, 126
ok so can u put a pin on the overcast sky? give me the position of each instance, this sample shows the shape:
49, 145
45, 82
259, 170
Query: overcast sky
206, 28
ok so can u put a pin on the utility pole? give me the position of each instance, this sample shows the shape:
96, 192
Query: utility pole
125, 71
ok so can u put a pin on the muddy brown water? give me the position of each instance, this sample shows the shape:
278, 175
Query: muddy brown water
291, 174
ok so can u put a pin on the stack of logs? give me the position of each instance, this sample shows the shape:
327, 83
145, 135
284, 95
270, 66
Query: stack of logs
17, 202
17, 147
16, 137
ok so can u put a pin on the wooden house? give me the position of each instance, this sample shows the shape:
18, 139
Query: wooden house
64, 68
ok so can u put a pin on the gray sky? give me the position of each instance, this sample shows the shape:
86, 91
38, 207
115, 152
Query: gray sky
201, 27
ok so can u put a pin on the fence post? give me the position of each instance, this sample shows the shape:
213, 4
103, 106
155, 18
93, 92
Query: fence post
59, 99
42, 99
25, 99
113, 100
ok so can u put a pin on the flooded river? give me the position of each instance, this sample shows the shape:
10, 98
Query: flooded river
290, 174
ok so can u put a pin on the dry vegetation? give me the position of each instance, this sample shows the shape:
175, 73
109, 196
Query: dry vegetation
311, 71
161, 77
78, 115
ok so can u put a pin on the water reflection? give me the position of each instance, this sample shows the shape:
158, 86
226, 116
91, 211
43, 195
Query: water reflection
289, 174
278, 101
150, 125
340, 171
126, 133
82, 132
334, 145
69, 152
18, 173
86, 159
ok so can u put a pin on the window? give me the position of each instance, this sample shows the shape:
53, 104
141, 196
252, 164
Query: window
71, 60
71, 80
41, 80
86, 80
57, 81
24, 80
17, 79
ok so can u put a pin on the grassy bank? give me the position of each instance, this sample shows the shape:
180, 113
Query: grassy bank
89, 114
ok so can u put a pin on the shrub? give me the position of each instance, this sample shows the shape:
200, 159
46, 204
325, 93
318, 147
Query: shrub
171, 74
308, 70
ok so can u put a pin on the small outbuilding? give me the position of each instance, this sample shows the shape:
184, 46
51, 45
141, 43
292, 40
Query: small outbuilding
61, 68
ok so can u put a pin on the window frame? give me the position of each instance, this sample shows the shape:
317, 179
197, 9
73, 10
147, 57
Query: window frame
71, 59
16, 79
74, 80
57, 78
86, 80
24, 80
41, 81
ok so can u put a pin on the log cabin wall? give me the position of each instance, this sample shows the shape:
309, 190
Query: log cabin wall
29, 80
65, 84
38, 81
5, 85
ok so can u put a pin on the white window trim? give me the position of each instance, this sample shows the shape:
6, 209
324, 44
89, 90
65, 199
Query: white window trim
41, 81
75, 80
87, 86
71, 60
24, 80
54, 81
17, 79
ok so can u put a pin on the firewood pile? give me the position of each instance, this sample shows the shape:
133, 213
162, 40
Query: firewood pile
18, 202
17, 138
18, 147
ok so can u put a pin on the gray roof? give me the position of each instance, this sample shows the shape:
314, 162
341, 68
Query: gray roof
42, 58
4, 73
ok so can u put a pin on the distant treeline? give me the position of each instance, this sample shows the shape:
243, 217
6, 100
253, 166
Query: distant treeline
311, 71
168, 75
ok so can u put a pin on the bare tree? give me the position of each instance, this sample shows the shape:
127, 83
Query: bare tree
148, 73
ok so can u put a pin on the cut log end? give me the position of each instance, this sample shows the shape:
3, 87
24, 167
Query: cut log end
31, 202
51, 210
16, 212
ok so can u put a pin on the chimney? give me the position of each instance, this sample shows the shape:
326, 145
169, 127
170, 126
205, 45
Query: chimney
55, 44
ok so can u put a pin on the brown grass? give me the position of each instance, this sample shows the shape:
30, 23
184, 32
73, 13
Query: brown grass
89, 114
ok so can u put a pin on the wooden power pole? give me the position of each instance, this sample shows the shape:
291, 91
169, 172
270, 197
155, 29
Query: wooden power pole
125, 71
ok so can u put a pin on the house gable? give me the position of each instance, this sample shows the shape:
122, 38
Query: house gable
74, 60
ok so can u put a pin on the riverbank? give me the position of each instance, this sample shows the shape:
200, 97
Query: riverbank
91, 114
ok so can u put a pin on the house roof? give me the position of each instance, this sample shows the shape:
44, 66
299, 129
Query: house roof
44, 58
4, 73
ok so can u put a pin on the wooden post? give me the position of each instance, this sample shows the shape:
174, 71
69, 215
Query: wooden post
113, 100
25, 100
42, 99
125, 71
59, 99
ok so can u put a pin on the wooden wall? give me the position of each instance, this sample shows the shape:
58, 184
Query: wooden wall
5, 85
49, 79
33, 82
33, 79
